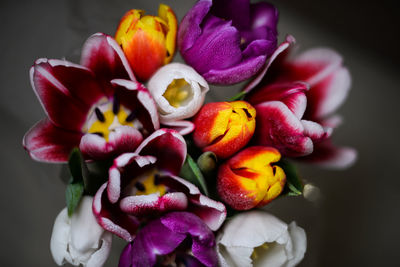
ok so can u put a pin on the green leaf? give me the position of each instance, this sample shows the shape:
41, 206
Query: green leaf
73, 195
239, 96
77, 166
191, 172
294, 185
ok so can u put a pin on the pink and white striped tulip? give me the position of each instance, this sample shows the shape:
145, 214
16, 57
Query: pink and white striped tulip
98, 106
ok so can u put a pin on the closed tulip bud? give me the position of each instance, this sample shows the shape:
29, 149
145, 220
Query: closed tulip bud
224, 127
147, 41
250, 178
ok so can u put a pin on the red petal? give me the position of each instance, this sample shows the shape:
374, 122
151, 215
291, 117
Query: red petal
102, 54
122, 139
168, 147
63, 86
278, 127
111, 218
48, 143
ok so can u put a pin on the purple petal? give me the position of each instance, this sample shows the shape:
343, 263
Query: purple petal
111, 218
259, 47
278, 127
168, 147
237, 11
264, 15
189, 28
122, 139
152, 240
102, 54
281, 48
48, 143
242, 71
216, 48
134, 96
203, 247
60, 86
212, 212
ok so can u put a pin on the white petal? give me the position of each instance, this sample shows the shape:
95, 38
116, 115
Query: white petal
299, 241
59, 237
100, 256
252, 229
159, 83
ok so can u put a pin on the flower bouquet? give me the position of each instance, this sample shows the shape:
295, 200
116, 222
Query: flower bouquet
184, 182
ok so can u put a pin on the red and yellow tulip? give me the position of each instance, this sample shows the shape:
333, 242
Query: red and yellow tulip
224, 127
250, 178
147, 41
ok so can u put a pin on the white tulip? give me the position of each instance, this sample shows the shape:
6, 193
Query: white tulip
79, 239
178, 90
258, 238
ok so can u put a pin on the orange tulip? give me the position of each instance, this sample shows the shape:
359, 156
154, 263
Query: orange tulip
147, 41
224, 127
249, 179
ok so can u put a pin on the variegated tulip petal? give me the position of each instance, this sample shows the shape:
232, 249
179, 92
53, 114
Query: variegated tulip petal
278, 127
293, 94
122, 139
111, 218
102, 54
188, 97
182, 127
168, 147
136, 97
315, 131
48, 143
59, 83
329, 156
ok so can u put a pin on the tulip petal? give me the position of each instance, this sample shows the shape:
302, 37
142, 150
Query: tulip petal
165, 144
189, 28
182, 127
326, 155
209, 53
153, 204
264, 15
48, 143
136, 97
61, 85
280, 49
212, 212
111, 218
299, 241
122, 139
315, 131
277, 126
59, 238
239, 72
167, 14
237, 11
130, 165
292, 94
100, 256
102, 54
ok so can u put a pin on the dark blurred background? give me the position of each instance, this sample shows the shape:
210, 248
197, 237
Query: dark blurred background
356, 222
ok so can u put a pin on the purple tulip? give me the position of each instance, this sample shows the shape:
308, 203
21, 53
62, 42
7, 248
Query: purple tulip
228, 41
177, 233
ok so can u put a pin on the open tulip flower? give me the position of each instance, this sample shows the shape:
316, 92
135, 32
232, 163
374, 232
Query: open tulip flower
228, 41
179, 92
148, 41
78, 239
259, 239
166, 236
97, 106
250, 179
224, 127
328, 83
144, 183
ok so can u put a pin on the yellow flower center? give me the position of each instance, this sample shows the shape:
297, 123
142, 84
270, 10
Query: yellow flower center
146, 184
259, 251
105, 117
178, 93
